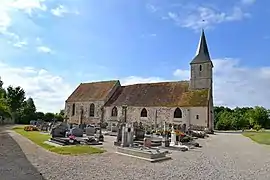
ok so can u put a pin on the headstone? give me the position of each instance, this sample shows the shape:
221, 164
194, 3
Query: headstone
183, 128
33, 122
173, 138
127, 135
90, 131
59, 130
130, 134
114, 128
77, 132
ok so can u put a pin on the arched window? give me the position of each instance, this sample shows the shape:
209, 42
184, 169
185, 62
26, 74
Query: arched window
73, 109
92, 110
144, 113
114, 111
177, 113
200, 67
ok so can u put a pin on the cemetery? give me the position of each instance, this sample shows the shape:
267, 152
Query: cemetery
132, 139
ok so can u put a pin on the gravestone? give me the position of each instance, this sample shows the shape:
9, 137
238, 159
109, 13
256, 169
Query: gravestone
183, 128
90, 131
77, 132
127, 135
33, 122
44, 126
173, 138
59, 130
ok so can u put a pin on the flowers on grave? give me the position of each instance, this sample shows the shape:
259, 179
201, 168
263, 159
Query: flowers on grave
72, 137
31, 128
179, 133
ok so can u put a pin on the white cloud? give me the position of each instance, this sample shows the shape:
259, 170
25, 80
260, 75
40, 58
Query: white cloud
206, 17
61, 10
20, 44
28, 5
195, 16
9, 7
48, 91
12, 11
44, 49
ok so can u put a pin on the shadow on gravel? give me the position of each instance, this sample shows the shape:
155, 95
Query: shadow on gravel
13, 163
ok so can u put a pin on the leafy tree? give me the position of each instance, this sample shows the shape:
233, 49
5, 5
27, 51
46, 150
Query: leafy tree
40, 115
28, 112
224, 122
15, 100
259, 116
49, 117
4, 109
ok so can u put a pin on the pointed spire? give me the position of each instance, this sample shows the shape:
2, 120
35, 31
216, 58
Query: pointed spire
202, 53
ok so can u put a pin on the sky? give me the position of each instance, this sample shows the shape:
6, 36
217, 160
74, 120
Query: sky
48, 47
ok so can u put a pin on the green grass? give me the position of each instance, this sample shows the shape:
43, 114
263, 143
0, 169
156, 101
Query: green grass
38, 138
262, 137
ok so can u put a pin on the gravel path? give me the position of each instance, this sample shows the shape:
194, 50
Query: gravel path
13, 163
223, 156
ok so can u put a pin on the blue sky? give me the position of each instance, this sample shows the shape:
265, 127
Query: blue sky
49, 47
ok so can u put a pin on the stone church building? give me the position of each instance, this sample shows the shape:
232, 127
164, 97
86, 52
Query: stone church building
177, 103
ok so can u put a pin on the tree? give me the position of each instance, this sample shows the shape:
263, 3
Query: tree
224, 122
40, 115
28, 112
259, 116
4, 109
49, 116
15, 99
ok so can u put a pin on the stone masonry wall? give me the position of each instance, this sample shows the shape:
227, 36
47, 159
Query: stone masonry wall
164, 114
86, 108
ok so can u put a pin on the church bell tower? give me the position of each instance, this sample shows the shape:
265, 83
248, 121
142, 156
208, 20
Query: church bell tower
201, 67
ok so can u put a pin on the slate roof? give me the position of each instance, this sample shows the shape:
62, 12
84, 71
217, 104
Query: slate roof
162, 94
93, 91
202, 54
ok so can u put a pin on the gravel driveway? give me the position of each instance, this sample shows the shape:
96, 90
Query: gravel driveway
223, 156
13, 163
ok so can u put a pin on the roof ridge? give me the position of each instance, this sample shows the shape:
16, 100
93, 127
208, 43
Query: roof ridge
103, 81
182, 81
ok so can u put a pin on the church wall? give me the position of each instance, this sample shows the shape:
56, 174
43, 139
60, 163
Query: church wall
86, 110
164, 114
198, 116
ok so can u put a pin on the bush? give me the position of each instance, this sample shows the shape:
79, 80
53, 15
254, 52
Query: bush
31, 128
257, 127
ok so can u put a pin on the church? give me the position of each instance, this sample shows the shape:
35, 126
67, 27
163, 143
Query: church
188, 103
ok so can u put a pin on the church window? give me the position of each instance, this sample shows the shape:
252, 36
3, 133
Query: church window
177, 113
114, 111
92, 110
200, 67
73, 109
144, 113
197, 116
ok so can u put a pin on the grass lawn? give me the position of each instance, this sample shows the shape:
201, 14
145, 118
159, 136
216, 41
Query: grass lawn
39, 139
259, 137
